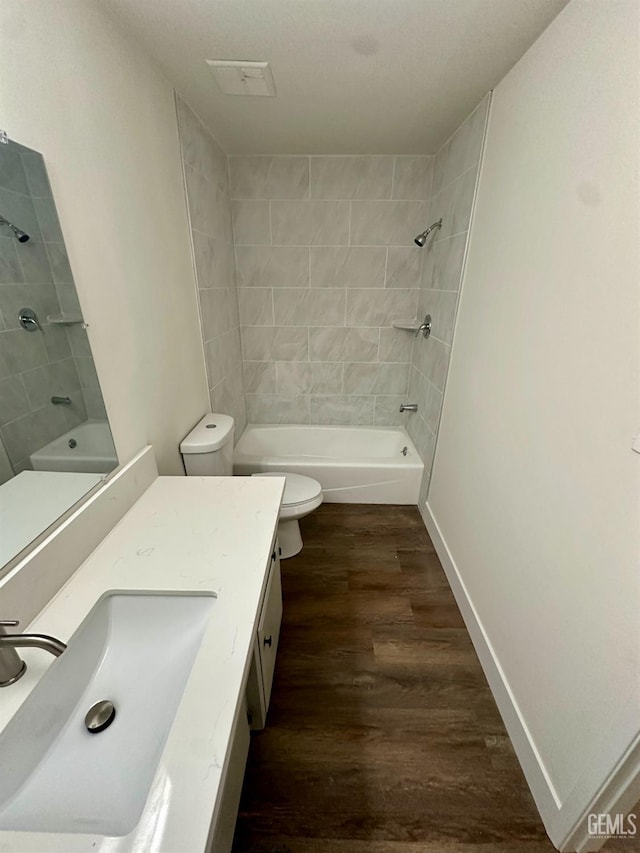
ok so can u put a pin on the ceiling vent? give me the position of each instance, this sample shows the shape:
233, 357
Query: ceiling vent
237, 77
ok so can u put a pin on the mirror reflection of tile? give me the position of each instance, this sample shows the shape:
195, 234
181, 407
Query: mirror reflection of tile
49, 359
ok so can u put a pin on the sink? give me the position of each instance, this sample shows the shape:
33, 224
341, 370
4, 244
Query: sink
134, 649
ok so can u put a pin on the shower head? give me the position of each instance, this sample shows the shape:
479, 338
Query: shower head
20, 236
421, 239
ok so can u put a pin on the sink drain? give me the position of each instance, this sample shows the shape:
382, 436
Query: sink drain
100, 716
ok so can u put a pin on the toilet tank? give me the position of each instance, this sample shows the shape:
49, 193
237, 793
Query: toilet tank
208, 449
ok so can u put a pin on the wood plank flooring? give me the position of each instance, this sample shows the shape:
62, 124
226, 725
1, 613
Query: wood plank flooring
382, 736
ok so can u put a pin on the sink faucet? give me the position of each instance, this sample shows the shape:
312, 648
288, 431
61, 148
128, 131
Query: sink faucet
12, 667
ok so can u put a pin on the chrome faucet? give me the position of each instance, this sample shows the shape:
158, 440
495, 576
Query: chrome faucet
408, 407
12, 667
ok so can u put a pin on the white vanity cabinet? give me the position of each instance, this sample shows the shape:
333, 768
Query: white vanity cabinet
222, 831
253, 711
184, 536
265, 648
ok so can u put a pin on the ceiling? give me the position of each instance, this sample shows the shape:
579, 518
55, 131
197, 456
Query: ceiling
352, 76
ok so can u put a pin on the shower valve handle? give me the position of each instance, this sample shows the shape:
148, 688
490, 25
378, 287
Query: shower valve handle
28, 320
425, 326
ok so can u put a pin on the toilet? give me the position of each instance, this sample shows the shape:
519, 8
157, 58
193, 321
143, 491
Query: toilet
208, 451
301, 496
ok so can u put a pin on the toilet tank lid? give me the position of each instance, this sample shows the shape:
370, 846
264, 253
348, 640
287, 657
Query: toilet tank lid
209, 434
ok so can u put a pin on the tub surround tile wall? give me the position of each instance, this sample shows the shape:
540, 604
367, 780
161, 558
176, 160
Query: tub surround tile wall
207, 190
325, 263
455, 174
308, 223
56, 360
269, 177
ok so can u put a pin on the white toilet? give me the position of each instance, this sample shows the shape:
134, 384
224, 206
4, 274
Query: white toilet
208, 451
301, 496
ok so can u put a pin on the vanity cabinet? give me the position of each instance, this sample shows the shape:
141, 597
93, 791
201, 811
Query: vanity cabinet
263, 660
221, 580
221, 839
253, 711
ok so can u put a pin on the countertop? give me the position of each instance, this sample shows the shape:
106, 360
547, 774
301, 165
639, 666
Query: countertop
208, 534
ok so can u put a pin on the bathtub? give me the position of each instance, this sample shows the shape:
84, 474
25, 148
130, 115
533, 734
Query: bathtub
87, 447
354, 464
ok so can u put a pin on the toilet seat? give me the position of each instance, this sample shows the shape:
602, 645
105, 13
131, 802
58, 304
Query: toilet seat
298, 490
301, 509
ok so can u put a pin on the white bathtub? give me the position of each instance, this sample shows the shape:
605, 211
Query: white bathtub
87, 447
354, 464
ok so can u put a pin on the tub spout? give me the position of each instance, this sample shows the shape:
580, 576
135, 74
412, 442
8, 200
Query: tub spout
408, 407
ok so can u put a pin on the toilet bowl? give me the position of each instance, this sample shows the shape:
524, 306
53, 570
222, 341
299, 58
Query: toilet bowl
208, 451
301, 496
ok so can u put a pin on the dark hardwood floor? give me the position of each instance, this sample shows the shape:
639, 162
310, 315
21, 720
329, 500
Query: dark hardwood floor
382, 736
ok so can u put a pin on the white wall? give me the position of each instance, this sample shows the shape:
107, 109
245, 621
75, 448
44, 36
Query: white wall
535, 489
74, 88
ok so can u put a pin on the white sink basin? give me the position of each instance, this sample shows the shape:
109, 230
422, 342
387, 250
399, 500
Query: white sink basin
134, 649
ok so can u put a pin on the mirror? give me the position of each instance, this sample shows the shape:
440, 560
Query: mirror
55, 441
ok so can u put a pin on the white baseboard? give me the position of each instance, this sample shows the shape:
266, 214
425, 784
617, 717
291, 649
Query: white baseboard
564, 822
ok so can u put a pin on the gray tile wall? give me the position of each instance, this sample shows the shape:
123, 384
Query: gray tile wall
56, 360
207, 189
455, 174
325, 263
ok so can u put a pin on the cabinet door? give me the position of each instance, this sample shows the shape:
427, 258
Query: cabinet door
221, 832
269, 626
256, 707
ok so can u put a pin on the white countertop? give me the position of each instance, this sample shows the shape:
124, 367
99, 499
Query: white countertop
31, 501
192, 534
